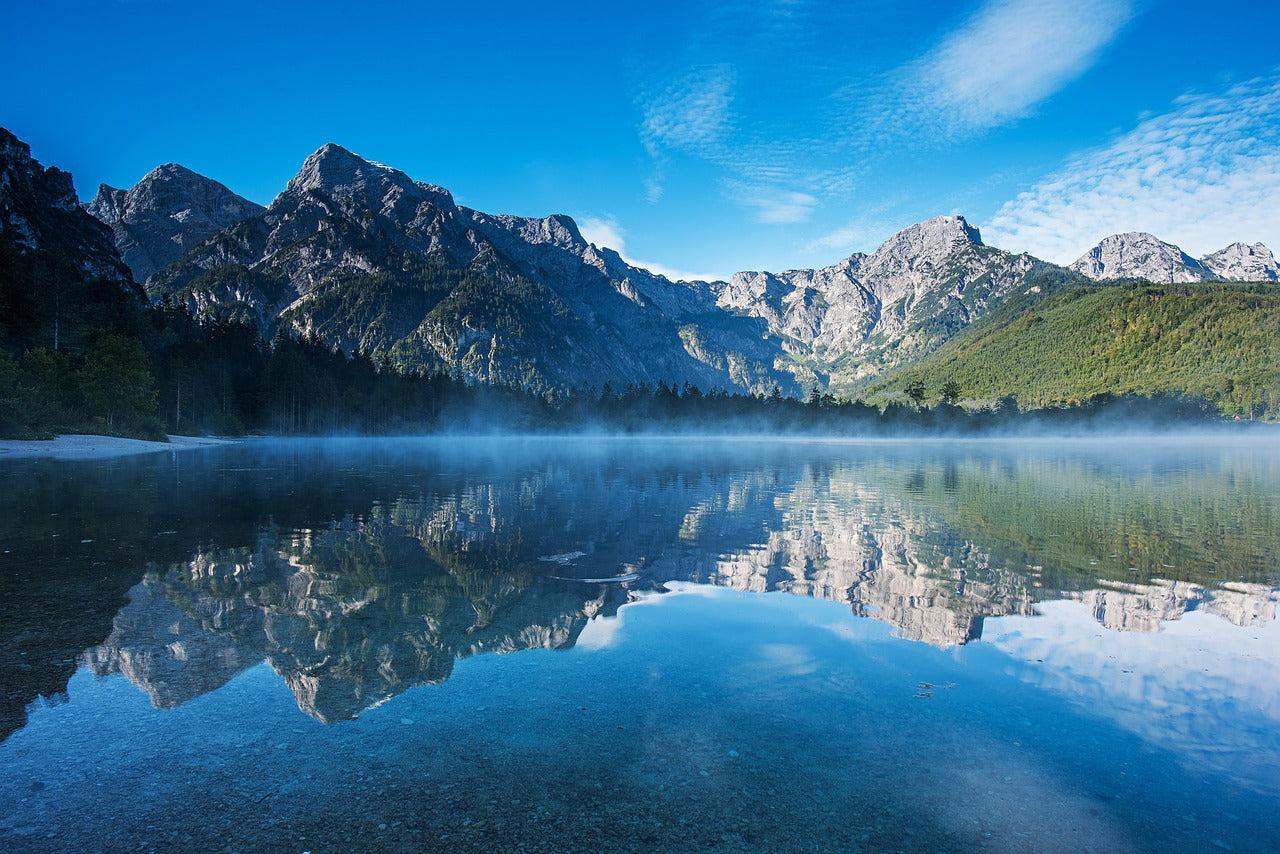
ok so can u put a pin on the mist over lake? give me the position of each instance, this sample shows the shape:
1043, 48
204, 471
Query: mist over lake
643, 644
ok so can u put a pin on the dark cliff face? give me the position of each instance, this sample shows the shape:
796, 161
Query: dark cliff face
163, 216
39, 211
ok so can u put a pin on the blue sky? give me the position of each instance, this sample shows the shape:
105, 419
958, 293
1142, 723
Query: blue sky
697, 137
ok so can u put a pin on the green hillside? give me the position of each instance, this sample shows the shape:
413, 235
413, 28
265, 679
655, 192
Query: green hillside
1217, 341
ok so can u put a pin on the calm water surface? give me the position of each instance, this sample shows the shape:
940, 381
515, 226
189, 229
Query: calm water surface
648, 645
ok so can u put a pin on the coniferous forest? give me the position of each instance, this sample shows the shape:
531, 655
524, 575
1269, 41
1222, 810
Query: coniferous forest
83, 349
82, 354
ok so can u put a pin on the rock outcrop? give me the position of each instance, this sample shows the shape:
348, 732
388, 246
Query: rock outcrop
39, 210
160, 219
1241, 262
869, 313
1138, 255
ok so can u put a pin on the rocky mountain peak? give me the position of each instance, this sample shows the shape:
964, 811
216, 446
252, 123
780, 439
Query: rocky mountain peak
1139, 255
12, 147
349, 178
1243, 262
563, 229
18, 167
556, 230
162, 217
39, 210
930, 242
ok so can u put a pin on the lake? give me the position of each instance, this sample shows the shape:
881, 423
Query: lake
643, 644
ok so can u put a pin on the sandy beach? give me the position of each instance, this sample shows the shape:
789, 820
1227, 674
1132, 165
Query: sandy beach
86, 447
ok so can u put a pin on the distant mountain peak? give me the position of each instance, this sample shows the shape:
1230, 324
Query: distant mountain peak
342, 174
925, 243
1141, 255
331, 166
163, 216
949, 229
167, 170
1244, 262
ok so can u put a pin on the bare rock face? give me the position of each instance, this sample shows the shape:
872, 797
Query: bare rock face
1138, 255
163, 216
504, 299
1241, 262
39, 210
872, 312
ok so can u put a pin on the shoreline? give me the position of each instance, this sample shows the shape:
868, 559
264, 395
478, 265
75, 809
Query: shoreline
80, 446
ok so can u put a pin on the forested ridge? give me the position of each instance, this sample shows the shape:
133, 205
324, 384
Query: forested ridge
1217, 342
79, 353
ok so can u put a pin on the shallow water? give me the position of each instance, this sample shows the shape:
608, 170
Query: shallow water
732, 645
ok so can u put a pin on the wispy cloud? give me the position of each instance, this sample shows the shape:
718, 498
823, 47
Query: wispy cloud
603, 232
607, 232
691, 113
773, 205
1203, 175
1000, 64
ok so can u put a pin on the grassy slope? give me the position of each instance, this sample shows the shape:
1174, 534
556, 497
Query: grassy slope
1217, 341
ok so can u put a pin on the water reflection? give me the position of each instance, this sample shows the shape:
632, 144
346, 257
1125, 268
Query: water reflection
445, 557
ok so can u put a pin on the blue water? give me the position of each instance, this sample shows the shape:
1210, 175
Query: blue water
821, 648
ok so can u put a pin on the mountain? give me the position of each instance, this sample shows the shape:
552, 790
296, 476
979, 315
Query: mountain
1138, 255
870, 313
1212, 341
164, 215
367, 259
39, 211
62, 283
1240, 262
363, 258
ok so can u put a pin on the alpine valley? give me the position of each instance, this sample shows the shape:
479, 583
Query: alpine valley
360, 258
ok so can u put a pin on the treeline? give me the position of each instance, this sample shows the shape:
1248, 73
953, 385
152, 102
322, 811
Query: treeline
172, 374
86, 355
666, 409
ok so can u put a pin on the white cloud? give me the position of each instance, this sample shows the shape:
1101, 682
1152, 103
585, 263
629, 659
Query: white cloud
653, 189
1203, 175
773, 205
1006, 59
602, 232
606, 232
692, 113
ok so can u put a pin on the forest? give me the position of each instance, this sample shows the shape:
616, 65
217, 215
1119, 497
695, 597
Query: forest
1217, 342
79, 354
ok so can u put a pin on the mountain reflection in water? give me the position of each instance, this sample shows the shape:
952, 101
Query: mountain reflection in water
470, 555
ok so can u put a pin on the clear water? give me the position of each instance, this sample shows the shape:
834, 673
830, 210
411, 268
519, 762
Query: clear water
349, 645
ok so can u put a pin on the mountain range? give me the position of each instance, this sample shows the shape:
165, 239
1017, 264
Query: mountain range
1138, 255
360, 257
367, 259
